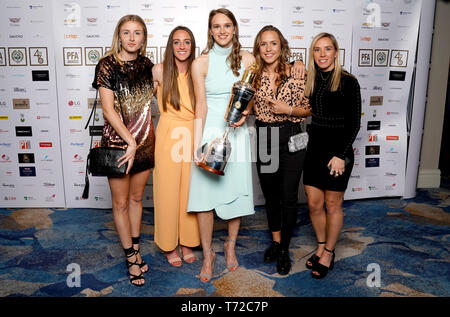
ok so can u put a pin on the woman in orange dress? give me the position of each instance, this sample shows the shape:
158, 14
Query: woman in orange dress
173, 152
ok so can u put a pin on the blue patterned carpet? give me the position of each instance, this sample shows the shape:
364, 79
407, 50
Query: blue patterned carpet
407, 240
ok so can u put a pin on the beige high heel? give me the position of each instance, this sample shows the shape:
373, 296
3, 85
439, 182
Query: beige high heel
232, 266
207, 277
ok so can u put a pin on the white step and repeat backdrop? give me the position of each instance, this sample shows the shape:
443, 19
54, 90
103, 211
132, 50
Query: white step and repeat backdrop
49, 49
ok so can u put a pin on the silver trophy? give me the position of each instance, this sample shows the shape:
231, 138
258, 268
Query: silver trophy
216, 154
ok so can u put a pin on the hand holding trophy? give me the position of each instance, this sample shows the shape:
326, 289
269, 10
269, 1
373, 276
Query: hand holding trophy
217, 153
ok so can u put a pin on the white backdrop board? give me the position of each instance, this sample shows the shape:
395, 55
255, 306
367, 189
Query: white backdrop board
63, 41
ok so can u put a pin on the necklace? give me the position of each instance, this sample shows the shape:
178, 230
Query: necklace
326, 77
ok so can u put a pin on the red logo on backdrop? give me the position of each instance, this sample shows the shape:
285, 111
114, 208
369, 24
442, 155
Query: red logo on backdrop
45, 144
392, 138
25, 145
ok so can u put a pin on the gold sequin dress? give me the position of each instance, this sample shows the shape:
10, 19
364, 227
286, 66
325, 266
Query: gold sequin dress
132, 84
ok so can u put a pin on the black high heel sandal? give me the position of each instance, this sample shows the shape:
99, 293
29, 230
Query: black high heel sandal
314, 259
135, 240
322, 269
128, 254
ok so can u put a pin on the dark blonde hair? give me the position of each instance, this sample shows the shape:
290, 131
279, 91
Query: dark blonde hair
234, 58
115, 45
283, 60
312, 70
170, 72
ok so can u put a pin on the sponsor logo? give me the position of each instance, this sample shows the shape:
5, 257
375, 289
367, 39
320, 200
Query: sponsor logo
392, 150
19, 89
93, 55
373, 137
298, 54
95, 130
17, 56
390, 187
73, 103
72, 56
372, 162
399, 58
27, 171
4, 158
381, 58
372, 150
373, 125
77, 158
392, 137
45, 144
24, 131
40, 75
26, 158
376, 100
25, 145
397, 75
365, 58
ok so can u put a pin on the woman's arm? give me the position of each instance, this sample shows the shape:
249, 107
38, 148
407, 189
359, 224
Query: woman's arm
352, 122
299, 105
107, 101
199, 70
157, 72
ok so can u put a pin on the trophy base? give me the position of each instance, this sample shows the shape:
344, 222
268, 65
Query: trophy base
210, 169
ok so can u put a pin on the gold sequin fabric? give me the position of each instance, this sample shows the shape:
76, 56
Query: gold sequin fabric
132, 84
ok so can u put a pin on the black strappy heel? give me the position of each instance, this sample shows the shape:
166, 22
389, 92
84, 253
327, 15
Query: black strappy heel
128, 254
314, 259
322, 269
135, 240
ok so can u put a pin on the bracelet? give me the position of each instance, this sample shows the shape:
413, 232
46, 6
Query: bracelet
290, 112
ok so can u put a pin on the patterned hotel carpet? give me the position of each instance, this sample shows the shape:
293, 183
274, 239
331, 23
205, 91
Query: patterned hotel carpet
408, 239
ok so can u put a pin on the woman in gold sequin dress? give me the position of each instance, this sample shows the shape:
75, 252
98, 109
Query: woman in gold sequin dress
124, 79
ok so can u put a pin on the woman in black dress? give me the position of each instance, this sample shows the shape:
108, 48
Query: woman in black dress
125, 83
336, 115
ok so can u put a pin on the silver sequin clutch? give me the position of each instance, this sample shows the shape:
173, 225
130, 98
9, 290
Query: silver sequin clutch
298, 142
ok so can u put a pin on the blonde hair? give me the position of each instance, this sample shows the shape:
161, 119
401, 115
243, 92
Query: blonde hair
312, 69
234, 58
116, 47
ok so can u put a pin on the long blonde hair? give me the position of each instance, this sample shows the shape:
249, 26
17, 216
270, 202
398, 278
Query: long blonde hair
312, 68
234, 58
116, 47
170, 72
283, 59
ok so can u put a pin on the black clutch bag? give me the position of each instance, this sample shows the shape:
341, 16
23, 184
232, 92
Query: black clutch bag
102, 161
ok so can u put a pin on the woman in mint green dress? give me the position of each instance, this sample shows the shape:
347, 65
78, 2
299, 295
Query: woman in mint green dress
230, 196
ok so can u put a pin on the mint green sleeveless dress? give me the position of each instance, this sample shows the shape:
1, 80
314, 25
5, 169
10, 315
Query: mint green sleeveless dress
230, 195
